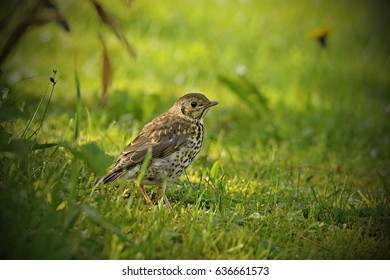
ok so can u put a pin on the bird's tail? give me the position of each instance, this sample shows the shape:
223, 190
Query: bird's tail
112, 176
109, 177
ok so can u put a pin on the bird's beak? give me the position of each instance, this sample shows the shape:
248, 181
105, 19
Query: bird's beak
212, 103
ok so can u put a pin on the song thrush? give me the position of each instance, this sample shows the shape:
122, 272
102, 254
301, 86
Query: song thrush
173, 138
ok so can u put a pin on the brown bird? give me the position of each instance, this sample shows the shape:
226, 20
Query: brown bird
173, 139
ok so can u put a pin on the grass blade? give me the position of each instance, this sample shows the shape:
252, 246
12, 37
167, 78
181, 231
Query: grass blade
78, 108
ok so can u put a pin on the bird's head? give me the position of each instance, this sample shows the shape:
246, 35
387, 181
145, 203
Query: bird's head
193, 106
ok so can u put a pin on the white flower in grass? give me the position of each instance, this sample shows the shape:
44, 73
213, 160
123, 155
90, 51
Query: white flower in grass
241, 70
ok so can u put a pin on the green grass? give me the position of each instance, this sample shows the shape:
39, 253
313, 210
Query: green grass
302, 175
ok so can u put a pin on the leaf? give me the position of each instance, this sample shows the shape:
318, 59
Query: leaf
38, 12
246, 90
253, 89
10, 113
38, 146
71, 217
3, 93
4, 136
234, 87
106, 72
94, 157
111, 22
22, 147
16, 147
17, 33
95, 216
49, 12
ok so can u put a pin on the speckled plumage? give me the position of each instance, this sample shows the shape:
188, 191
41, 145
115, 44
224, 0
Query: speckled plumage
174, 138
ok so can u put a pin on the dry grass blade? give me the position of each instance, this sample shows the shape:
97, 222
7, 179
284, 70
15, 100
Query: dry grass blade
106, 72
110, 21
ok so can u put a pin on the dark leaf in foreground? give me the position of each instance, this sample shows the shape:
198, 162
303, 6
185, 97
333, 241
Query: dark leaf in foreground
41, 12
93, 214
94, 157
10, 113
21, 147
49, 12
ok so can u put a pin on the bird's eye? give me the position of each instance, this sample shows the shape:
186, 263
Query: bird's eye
193, 104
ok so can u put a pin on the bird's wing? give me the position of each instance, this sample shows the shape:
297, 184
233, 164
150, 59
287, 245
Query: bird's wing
135, 152
160, 136
161, 143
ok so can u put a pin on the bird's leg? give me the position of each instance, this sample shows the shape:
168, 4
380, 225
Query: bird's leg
163, 185
146, 196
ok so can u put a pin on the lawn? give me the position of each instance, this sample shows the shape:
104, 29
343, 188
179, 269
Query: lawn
296, 158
